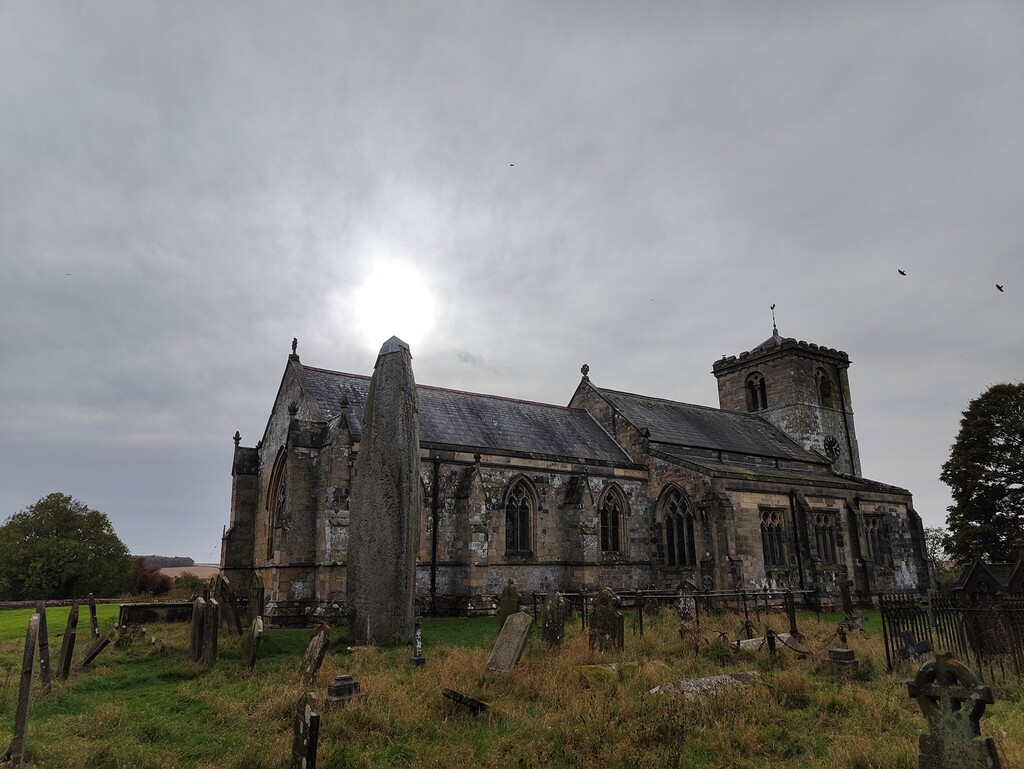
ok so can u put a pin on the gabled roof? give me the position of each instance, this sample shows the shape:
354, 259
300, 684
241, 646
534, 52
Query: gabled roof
469, 420
684, 424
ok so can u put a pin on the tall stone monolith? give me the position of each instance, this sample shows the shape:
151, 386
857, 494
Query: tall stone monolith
384, 506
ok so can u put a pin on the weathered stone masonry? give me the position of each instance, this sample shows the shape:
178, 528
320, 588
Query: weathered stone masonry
616, 489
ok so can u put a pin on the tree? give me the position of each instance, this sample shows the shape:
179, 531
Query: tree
944, 570
61, 548
147, 579
985, 472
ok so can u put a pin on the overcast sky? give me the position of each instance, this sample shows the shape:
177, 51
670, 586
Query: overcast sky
186, 186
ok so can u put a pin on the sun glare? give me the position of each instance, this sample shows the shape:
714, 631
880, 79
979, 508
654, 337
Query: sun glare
394, 301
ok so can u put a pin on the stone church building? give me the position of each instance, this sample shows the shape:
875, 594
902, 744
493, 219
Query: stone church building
615, 489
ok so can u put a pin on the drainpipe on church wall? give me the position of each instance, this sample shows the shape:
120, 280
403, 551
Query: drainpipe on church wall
433, 537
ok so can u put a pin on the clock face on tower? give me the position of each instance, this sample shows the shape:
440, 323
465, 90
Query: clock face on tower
832, 450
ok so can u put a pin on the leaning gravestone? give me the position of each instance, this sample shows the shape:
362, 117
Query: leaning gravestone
94, 651
256, 596
211, 629
607, 626
952, 699
15, 752
251, 643
508, 601
93, 622
511, 642
67, 646
306, 733
44, 649
228, 606
385, 505
552, 618
315, 651
195, 646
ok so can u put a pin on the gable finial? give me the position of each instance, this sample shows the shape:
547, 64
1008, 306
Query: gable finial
237, 438
295, 345
585, 370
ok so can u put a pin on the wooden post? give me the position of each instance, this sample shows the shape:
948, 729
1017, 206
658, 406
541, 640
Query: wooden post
16, 750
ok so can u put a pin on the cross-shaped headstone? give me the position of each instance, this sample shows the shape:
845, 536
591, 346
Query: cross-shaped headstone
952, 699
912, 647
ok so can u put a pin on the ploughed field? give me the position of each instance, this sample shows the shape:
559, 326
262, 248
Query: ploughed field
132, 708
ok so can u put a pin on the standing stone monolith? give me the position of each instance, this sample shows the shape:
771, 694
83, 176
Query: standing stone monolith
385, 505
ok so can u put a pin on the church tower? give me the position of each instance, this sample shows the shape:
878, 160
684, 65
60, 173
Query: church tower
799, 387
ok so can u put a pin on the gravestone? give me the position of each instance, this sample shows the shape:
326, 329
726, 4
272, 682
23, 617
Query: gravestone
705, 687
93, 622
67, 645
211, 629
15, 752
952, 699
607, 626
552, 618
789, 603
251, 644
195, 645
476, 707
511, 642
44, 649
508, 601
94, 651
385, 505
306, 733
256, 597
228, 606
912, 648
315, 651
417, 659
341, 691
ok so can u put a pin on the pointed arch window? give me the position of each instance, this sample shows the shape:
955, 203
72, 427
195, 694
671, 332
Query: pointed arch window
878, 539
613, 509
825, 536
680, 546
823, 384
757, 392
773, 536
277, 495
518, 514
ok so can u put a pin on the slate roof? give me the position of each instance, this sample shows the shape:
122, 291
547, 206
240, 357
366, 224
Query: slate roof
485, 422
684, 424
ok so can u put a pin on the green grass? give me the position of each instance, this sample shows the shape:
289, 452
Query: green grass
133, 709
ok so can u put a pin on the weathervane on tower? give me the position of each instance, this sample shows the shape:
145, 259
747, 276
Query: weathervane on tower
775, 328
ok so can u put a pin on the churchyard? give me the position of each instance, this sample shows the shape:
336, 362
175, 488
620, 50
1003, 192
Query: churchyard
580, 702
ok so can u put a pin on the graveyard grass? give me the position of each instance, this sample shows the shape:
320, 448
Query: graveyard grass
133, 709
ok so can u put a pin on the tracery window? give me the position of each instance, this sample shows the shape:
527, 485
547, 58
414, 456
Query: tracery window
518, 512
277, 494
613, 509
877, 531
757, 392
825, 536
680, 547
773, 536
823, 383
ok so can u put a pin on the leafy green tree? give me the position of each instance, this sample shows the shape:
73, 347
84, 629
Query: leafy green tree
985, 471
189, 583
61, 548
945, 571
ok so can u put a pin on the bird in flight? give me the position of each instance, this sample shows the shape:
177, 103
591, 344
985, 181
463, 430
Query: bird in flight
1000, 288
901, 272
511, 165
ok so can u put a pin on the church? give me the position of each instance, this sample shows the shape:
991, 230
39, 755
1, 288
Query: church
614, 489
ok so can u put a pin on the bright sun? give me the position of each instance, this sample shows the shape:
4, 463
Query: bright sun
394, 301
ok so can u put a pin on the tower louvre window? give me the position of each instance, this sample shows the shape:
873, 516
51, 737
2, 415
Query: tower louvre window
823, 384
757, 392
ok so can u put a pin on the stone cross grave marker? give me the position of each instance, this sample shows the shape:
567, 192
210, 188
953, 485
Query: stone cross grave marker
952, 699
315, 651
44, 649
511, 642
552, 618
607, 626
67, 646
508, 601
251, 643
195, 646
912, 648
93, 622
307, 733
15, 751
94, 651
256, 595
211, 629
